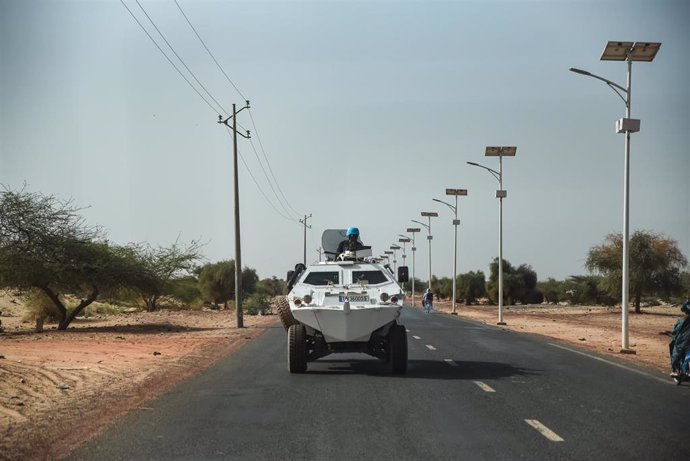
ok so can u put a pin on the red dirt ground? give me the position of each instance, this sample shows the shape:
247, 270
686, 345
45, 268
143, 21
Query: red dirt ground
58, 389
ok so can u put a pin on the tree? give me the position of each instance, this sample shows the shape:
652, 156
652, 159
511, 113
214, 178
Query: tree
471, 286
655, 265
45, 244
519, 284
163, 265
217, 282
272, 287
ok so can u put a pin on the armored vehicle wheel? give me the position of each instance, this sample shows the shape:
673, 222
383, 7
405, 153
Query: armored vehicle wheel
397, 349
284, 312
297, 348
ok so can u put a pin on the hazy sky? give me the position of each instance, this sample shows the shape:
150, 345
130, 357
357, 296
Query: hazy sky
366, 110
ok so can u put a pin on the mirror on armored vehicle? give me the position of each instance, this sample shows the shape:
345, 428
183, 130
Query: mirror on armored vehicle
403, 274
289, 275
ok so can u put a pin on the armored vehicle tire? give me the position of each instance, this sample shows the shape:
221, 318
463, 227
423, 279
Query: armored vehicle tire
284, 312
297, 348
397, 349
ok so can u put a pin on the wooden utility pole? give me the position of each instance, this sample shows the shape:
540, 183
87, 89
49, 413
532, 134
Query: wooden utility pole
238, 246
305, 237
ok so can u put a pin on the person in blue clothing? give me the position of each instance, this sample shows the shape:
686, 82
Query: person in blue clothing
680, 345
352, 243
428, 301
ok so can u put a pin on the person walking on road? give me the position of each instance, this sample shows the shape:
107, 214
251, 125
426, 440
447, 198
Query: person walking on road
428, 301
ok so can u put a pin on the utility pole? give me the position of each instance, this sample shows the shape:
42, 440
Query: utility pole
238, 247
305, 236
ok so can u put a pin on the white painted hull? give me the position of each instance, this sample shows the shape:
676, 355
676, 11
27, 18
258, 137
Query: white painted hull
344, 323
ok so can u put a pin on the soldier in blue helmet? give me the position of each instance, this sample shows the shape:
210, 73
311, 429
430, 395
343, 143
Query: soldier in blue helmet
352, 243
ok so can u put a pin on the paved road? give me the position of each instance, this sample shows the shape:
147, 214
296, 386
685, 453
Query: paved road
471, 392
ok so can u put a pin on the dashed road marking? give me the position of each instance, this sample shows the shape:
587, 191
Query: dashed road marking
451, 362
430, 347
543, 430
416, 337
483, 386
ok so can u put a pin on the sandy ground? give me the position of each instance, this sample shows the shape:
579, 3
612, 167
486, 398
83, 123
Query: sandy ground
58, 389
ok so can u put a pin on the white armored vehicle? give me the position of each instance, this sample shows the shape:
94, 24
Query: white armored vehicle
350, 303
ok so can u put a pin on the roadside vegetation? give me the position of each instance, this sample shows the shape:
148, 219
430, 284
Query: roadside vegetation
62, 266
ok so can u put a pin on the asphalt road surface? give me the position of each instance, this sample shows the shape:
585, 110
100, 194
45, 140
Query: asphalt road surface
471, 392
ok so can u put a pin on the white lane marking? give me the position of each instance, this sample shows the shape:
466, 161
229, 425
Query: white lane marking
543, 430
407, 330
451, 362
430, 347
483, 386
667, 381
416, 337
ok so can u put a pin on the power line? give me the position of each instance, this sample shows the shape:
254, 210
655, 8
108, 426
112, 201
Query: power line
178, 57
259, 187
250, 115
215, 110
256, 154
256, 131
209, 51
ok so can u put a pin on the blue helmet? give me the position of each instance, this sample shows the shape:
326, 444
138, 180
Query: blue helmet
352, 231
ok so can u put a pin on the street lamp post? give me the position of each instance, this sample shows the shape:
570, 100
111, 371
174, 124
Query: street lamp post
625, 51
413, 230
456, 222
429, 238
500, 152
404, 240
395, 249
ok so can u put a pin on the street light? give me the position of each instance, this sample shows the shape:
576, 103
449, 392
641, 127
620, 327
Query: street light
404, 240
500, 152
456, 222
429, 214
625, 51
388, 255
395, 249
413, 230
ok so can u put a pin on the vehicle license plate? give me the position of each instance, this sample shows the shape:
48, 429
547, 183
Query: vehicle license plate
354, 299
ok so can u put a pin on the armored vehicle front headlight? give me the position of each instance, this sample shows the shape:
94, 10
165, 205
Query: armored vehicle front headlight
297, 301
384, 297
307, 299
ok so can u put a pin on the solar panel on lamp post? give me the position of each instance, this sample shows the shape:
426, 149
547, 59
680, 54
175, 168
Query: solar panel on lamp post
413, 230
500, 152
625, 51
456, 222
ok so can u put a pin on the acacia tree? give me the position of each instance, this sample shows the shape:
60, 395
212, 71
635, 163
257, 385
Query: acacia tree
45, 244
655, 264
162, 266
519, 284
217, 281
470, 286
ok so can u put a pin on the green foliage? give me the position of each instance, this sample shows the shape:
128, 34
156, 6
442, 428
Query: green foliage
217, 282
655, 265
257, 304
186, 289
45, 244
471, 286
272, 287
519, 284
161, 266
